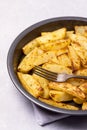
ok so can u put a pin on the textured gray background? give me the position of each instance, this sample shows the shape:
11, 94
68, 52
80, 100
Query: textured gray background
16, 111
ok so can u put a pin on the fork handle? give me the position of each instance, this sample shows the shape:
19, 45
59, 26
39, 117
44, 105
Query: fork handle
80, 77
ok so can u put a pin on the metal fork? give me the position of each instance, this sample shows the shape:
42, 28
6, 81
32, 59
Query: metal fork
55, 77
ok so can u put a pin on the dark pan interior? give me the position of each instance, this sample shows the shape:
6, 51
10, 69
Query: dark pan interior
15, 53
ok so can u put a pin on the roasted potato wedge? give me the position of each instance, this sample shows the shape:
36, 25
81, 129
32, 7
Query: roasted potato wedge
59, 105
75, 60
44, 84
82, 30
81, 72
68, 88
81, 40
77, 100
57, 68
55, 45
30, 46
45, 57
69, 33
81, 52
50, 37
30, 84
84, 106
28, 61
60, 96
62, 59
34, 58
83, 87
75, 81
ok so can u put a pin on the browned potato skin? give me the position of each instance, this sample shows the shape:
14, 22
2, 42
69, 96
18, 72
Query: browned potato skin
59, 105
60, 96
77, 100
68, 88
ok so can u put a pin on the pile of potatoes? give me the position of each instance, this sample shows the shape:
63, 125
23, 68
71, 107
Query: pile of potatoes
60, 51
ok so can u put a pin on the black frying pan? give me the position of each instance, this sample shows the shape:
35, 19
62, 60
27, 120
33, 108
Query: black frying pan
15, 54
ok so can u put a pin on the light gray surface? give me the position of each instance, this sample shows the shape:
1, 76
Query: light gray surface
16, 111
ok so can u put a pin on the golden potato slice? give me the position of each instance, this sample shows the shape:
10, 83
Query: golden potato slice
44, 84
60, 96
64, 60
30, 84
75, 81
67, 33
81, 52
81, 40
55, 45
28, 61
45, 57
57, 68
78, 101
68, 88
74, 58
83, 87
81, 72
81, 30
49, 37
59, 105
30, 46
84, 106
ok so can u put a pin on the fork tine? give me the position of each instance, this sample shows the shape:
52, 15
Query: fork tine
44, 75
45, 71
